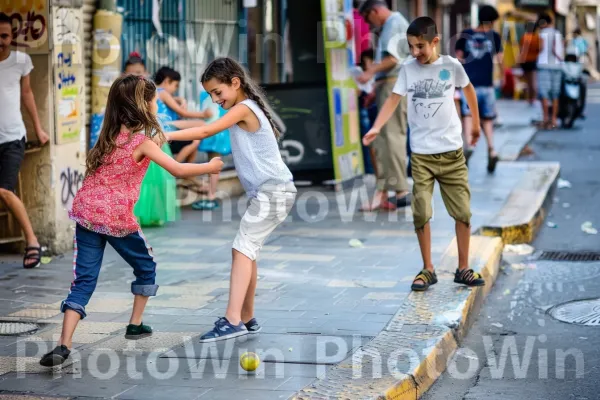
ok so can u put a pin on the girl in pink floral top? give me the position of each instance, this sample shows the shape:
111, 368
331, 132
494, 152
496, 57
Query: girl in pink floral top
103, 208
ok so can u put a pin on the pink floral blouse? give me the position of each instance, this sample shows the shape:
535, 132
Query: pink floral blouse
105, 202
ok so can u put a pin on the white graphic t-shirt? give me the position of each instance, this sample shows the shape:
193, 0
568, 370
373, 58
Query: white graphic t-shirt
434, 124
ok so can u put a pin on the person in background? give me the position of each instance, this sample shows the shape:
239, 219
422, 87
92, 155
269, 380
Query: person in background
362, 33
531, 46
580, 44
390, 146
157, 203
549, 65
168, 81
368, 113
15, 69
172, 111
478, 49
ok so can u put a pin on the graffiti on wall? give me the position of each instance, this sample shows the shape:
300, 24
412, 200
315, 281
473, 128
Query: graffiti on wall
30, 24
71, 180
68, 26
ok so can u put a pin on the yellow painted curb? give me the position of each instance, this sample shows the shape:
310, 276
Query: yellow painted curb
524, 212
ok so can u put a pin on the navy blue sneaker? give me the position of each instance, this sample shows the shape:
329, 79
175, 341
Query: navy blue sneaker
223, 330
253, 326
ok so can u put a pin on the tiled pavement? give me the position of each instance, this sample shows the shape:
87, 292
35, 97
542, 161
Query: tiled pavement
318, 298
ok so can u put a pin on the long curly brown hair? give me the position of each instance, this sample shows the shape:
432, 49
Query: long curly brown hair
129, 104
224, 69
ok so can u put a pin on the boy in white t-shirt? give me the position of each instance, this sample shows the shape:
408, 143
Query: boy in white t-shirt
429, 81
15, 87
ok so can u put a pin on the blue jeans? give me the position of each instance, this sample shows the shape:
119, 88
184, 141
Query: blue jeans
486, 100
87, 260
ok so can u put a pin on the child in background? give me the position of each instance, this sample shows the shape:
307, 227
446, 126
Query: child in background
267, 181
103, 208
368, 113
157, 203
429, 81
172, 110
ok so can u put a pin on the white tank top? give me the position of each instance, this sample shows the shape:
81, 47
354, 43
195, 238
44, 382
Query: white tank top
256, 154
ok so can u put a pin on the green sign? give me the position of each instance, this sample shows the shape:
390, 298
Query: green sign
338, 26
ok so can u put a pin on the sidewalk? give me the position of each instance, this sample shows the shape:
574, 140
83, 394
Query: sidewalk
319, 299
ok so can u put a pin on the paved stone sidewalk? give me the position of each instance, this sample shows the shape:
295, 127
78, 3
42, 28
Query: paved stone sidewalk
318, 298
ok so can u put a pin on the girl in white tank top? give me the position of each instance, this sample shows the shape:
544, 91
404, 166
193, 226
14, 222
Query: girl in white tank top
265, 177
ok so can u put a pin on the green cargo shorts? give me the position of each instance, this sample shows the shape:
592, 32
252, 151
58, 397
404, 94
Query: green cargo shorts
450, 171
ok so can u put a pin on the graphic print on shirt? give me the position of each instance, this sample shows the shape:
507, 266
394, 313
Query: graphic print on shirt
428, 94
478, 48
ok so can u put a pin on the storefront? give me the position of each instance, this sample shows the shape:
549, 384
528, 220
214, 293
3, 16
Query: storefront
301, 53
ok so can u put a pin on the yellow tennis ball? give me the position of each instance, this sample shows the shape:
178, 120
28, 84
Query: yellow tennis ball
249, 361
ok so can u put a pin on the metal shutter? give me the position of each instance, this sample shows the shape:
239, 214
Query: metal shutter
89, 8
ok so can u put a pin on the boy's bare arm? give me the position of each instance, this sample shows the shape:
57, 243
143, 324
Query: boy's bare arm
471, 98
383, 117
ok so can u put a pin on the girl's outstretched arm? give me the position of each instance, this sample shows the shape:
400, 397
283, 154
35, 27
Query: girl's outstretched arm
153, 152
182, 111
237, 114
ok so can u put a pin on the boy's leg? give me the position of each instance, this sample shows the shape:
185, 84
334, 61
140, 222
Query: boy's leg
454, 186
544, 88
423, 176
88, 251
556, 89
11, 158
137, 252
486, 99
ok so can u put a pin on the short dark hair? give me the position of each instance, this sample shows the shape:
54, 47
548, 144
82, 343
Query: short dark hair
577, 31
487, 14
135, 58
368, 5
423, 27
5, 19
166, 72
544, 18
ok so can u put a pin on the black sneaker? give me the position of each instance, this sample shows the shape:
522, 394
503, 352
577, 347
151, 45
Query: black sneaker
136, 332
468, 277
492, 162
56, 357
253, 326
401, 202
224, 330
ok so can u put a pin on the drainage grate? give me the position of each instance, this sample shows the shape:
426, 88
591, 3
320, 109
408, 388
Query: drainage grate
569, 256
17, 328
581, 312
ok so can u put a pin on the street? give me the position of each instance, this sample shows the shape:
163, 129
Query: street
516, 349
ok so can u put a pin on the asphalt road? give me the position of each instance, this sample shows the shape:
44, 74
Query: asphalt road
517, 348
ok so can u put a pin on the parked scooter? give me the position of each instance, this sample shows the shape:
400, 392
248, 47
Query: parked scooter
572, 99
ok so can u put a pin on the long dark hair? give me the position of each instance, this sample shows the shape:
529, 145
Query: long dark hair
224, 69
128, 104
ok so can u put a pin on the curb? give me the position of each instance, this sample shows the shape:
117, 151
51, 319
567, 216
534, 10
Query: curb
524, 211
405, 359
430, 326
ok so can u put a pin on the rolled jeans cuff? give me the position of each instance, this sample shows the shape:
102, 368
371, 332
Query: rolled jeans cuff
69, 305
144, 290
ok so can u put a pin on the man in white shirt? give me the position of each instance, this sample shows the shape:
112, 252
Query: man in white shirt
14, 86
391, 147
549, 65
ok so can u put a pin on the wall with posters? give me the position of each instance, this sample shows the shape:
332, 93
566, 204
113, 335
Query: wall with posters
338, 37
69, 75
